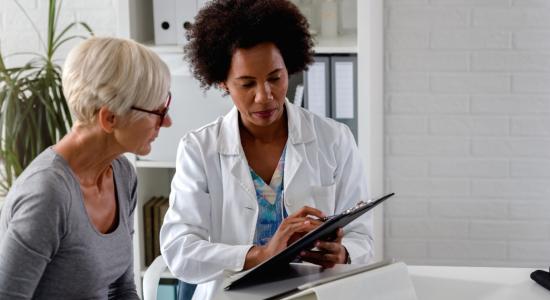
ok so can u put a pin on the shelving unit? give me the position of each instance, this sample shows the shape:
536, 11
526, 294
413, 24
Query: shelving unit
135, 20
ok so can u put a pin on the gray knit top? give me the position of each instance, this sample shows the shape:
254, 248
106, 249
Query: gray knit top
49, 249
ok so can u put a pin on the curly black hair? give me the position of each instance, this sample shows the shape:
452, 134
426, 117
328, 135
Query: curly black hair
223, 26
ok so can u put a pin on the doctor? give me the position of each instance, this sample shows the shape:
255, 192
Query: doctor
250, 183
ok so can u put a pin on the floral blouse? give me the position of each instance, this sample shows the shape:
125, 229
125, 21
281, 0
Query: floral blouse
270, 203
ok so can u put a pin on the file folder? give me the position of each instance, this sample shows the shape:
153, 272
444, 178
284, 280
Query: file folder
185, 14
172, 17
317, 87
164, 17
344, 91
330, 89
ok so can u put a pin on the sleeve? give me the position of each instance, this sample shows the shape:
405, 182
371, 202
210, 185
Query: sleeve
125, 287
351, 188
184, 236
38, 214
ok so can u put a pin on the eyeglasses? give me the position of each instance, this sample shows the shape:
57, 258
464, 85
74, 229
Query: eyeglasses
159, 112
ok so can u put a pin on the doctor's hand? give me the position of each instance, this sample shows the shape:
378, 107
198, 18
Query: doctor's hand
291, 229
329, 253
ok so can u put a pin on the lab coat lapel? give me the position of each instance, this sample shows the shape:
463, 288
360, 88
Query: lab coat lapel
241, 175
232, 156
300, 133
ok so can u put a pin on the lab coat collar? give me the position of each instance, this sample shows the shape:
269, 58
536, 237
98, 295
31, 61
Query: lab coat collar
229, 139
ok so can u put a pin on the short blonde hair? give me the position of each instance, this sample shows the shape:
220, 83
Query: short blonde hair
113, 73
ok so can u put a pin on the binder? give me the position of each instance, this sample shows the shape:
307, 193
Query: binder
185, 13
317, 87
344, 91
164, 17
172, 17
330, 89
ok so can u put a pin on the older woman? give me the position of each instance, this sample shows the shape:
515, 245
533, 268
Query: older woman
67, 224
253, 181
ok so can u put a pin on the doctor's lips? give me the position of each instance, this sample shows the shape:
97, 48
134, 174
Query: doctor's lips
265, 113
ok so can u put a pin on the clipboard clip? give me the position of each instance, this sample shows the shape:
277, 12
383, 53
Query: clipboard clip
350, 210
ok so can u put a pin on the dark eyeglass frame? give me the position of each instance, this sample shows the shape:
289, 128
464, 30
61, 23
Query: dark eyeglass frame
159, 112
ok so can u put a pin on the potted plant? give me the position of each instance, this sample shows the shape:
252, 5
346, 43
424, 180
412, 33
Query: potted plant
33, 111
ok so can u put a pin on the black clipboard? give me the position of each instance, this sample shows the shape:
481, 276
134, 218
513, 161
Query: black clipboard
276, 268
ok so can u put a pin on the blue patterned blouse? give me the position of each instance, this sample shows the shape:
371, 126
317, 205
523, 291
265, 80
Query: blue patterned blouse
270, 203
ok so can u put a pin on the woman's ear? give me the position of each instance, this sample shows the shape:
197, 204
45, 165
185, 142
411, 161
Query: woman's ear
224, 87
107, 119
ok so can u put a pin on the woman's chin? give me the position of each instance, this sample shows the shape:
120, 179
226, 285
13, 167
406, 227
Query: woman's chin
143, 151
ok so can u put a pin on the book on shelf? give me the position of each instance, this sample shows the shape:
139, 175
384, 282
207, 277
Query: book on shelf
153, 215
148, 229
157, 223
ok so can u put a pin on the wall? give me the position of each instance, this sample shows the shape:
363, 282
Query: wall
467, 128
17, 33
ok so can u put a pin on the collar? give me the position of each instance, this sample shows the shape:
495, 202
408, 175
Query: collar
299, 129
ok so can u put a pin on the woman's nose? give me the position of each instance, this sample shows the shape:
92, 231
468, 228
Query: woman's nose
167, 122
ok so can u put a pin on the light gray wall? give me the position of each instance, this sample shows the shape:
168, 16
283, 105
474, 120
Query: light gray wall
467, 101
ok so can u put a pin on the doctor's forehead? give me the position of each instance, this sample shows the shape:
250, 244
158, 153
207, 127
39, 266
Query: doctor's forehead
262, 59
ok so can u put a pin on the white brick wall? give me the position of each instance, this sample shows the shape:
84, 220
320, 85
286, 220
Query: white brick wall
18, 35
468, 131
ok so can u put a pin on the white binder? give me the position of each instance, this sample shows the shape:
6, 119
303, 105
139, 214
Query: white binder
185, 13
171, 17
164, 17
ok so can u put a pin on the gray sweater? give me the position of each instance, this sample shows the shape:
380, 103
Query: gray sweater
49, 249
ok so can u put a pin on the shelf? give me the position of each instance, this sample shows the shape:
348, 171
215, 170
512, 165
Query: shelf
155, 164
340, 44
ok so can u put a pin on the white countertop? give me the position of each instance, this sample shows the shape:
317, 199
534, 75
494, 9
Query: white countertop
479, 283
429, 283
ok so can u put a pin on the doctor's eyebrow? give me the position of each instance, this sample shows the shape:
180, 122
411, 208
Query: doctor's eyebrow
246, 77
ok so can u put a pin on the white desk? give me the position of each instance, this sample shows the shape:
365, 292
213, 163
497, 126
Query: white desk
389, 282
433, 283
476, 283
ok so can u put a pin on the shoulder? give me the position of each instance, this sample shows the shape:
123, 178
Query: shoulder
46, 184
205, 133
124, 167
326, 129
202, 141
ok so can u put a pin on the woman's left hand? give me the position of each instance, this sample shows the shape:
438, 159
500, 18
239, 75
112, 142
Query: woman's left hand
329, 253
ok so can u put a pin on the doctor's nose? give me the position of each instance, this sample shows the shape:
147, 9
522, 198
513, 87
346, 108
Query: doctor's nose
263, 93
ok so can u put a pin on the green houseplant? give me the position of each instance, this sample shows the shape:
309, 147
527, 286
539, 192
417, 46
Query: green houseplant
33, 111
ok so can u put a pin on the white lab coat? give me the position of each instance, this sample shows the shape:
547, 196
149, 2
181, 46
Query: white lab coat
210, 224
